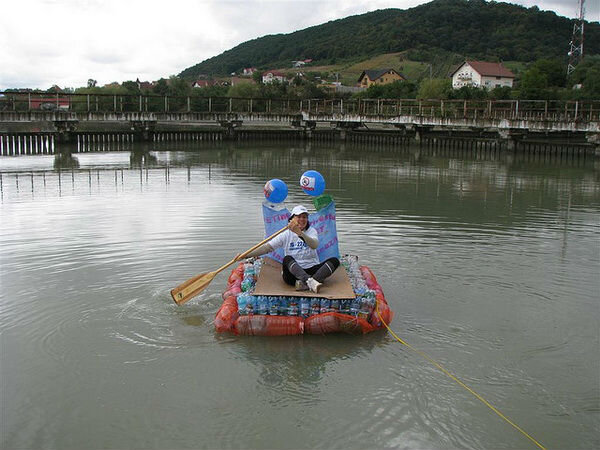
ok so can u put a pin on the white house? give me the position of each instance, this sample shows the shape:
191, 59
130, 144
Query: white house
273, 75
482, 74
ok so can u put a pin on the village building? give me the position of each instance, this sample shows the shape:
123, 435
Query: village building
488, 75
379, 76
273, 75
146, 85
203, 83
301, 62
249, 71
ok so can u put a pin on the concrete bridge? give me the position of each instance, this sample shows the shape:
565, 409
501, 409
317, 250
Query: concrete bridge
508, 123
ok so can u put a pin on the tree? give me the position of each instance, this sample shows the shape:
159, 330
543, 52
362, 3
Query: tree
439, 88
243, 90
161, 87
587, 77
533, 84
554, 71
468, 93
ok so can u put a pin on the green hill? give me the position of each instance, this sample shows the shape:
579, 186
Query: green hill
441, 32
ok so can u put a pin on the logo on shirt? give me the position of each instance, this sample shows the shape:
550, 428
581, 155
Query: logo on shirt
297, 246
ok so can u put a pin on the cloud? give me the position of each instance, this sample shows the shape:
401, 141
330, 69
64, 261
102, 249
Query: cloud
65, 42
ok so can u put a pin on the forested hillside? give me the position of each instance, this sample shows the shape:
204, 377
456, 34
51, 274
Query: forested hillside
470, 28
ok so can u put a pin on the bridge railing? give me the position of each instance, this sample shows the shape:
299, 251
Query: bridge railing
588, 110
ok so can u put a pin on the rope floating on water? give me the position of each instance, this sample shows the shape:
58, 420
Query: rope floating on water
460, 383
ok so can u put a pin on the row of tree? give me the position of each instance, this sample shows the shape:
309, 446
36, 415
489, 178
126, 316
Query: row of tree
545, 79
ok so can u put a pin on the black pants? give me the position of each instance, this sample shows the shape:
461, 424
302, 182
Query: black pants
292, 270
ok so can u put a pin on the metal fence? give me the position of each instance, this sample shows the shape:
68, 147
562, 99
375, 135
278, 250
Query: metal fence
588, 110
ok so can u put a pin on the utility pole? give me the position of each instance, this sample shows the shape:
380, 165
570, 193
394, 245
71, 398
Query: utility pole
576, 46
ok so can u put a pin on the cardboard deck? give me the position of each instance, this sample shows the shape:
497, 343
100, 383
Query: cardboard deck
270, 282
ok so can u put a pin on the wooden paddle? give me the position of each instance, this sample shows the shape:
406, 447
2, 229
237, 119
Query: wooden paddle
197, 284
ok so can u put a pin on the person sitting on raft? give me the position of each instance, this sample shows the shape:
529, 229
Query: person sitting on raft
301, 266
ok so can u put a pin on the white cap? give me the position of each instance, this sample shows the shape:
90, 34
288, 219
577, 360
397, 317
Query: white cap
299, 210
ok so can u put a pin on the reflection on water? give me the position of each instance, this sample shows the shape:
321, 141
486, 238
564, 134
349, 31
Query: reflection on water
490, 261
65, 161
297, 365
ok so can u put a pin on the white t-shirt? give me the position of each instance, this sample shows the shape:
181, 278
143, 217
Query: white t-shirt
294, 246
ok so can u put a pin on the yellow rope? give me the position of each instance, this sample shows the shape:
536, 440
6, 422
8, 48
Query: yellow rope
460, 383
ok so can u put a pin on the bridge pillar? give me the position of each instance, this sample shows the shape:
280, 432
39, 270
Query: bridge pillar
594, 139
230, 126
143, 130
420, 132
507, 139
65, 130
418, 135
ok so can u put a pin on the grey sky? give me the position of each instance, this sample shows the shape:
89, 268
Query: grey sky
66, 42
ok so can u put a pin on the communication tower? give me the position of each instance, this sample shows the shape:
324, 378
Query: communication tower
576, 46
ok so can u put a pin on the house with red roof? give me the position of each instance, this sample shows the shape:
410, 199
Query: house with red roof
203, 83
488, 75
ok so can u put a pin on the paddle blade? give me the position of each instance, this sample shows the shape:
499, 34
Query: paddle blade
191, 287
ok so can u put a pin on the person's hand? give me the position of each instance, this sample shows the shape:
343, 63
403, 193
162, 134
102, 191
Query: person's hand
295, 227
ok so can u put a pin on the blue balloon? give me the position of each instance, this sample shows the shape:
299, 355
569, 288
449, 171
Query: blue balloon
312, 182
275, 190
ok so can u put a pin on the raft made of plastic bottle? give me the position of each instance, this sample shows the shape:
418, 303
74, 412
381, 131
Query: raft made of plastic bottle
244, 314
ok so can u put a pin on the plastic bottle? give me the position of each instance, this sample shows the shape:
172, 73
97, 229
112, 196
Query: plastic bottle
257, 266
251, 304
242, 301
274, 306
263, 305
304, 307
283, 306
315, 306
325, 305
345, 306
249, 270
367, 306
335, 305
247, 283
355, 306
293, 306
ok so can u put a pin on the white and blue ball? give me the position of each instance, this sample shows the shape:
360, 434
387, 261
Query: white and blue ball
275, 190
312, 183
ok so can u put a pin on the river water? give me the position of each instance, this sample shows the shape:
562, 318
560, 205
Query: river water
491, 263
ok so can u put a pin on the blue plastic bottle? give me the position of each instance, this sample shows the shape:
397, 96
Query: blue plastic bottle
274, 306
284, 303
304, 307
335, 305
315, 306
293, 306
345, 306
263, 305
325, 305
251, 304
242, 301
355, 306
